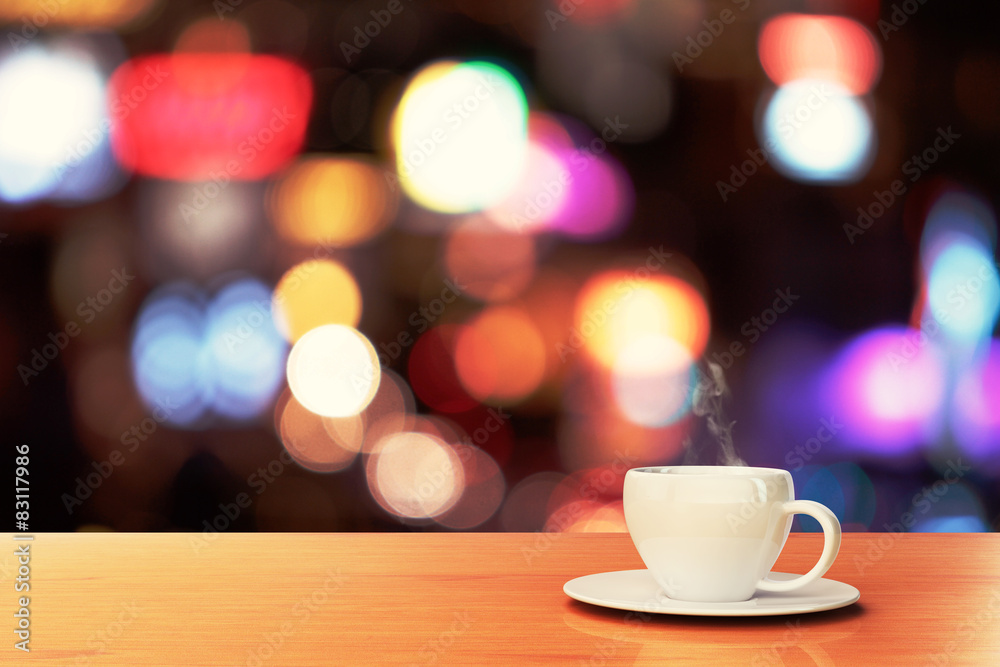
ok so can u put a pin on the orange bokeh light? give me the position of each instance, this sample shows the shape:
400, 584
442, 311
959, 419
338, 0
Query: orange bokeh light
500, 355
314, 293
76, 13
608, 518
390, 410
549, 302
616, 310
489, 263
336, 202
602, 436
313, 443
832, 48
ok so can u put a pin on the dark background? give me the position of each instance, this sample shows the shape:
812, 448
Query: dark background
773, 233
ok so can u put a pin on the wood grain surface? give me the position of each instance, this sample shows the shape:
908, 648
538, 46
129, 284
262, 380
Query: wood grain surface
472, 599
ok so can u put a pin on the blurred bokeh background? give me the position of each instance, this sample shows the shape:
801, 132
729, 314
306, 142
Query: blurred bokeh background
459, 264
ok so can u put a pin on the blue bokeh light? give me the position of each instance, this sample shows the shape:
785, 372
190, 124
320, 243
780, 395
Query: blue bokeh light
246, 350
168, 362
843, 487
193, 360
951, 524
963, 291
948, 505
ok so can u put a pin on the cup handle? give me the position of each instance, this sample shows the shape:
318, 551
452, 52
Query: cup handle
831, 545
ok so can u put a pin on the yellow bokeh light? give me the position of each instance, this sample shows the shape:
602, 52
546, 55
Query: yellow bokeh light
500, 355
333, 371
314, 293
78, 13
336, 202
615, 310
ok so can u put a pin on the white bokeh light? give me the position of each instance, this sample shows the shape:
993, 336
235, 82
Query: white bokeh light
53, 114
333, 371
817, 131
49, 102
415, 475
460, 134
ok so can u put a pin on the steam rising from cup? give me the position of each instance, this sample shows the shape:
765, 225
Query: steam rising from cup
709, 396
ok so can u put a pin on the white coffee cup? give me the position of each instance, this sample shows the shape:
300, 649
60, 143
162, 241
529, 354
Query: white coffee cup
712, 533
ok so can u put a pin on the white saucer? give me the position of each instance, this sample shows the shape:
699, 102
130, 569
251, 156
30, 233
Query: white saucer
635, 590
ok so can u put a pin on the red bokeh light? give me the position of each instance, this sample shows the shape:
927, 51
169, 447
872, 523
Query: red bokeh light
208, 116
833, 48
432, 371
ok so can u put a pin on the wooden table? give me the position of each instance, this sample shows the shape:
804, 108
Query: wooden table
332, 599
